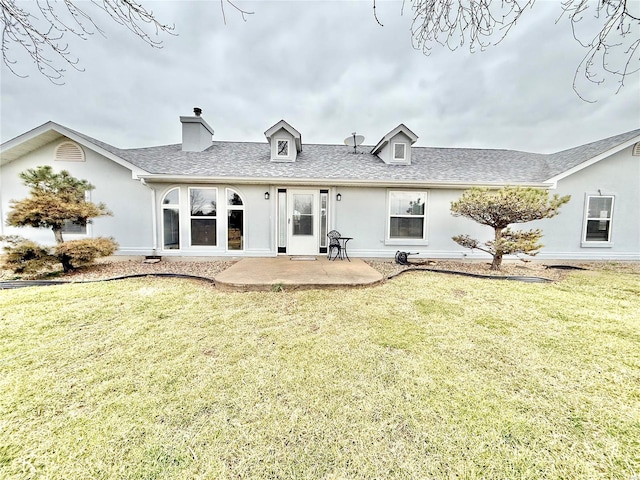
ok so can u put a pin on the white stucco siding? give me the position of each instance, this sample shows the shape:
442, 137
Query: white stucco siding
127, 199
618, 175
363, 214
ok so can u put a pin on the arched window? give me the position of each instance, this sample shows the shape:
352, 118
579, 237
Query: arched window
171, 220
235, 220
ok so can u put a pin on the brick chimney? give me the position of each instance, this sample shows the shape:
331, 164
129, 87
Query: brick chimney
196, 133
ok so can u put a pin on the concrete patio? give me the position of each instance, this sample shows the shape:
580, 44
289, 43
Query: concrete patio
296, 273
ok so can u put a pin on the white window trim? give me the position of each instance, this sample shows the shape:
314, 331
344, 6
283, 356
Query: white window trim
404, 152
407, 241
229, 208
216, 217
597, 243
278, 155
164, 206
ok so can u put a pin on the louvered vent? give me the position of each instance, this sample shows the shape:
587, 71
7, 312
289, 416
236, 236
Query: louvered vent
69, 152
636, 149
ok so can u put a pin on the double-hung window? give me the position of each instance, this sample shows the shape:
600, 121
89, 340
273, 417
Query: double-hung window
80, 227
598, 217
203, 210
407, 218
74, 228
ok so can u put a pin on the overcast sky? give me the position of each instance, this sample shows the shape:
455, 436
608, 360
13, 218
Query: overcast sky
328, 69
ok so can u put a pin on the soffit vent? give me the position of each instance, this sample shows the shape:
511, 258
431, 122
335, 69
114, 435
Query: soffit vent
69, 152
636, 150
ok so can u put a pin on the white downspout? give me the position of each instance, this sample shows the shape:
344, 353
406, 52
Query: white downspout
154, 219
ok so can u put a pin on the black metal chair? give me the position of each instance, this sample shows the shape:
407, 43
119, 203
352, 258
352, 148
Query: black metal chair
334, 244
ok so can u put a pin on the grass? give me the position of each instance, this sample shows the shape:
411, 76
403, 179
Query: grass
426, 376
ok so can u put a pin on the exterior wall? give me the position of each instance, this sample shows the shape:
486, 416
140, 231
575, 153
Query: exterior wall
259, 221
128, 199
363, 215
618, 175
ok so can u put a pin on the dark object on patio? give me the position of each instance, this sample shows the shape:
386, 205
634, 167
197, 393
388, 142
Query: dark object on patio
334, 244
402, 257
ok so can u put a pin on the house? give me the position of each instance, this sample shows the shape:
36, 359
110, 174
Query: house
206, 197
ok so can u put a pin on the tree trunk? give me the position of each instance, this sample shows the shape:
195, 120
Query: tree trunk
497, 256
65, 260
57, 232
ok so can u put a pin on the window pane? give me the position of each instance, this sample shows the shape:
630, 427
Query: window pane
235, 230
233, 198
74, 228
203, 202
598, 230
283, 148
406, 203
172, 197
302, 204
203, 231
303, 225
282, 219
171, 224
600, 207
323, 218
404, 227
398, 151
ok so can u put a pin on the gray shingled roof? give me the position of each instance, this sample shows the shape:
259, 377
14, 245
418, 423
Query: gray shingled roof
567, 159
339, 163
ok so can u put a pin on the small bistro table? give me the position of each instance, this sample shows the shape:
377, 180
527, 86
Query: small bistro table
343, 247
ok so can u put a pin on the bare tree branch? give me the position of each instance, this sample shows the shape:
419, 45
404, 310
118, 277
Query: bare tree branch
612, 31
38, 28
375, 15
454, 23
613, 51
242, 12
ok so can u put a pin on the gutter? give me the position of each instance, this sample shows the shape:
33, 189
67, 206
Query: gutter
284, 181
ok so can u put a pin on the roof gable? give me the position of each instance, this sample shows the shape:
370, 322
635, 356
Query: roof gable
567, 162
51, 131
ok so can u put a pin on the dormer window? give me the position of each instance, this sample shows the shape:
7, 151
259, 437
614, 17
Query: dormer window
395, 147
399, 151
285, 142
283, 148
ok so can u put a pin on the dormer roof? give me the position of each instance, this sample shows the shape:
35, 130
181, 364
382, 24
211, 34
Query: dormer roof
402, 128
282, 125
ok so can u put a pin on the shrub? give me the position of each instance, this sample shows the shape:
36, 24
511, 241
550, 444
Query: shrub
25, 256
77, 253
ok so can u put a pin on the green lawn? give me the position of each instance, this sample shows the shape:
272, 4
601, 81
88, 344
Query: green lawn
426, 376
